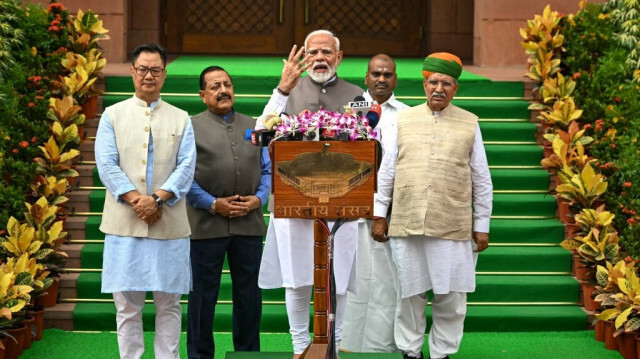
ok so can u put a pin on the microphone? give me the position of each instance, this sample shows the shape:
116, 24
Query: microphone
374, 114
260, 137
359, 105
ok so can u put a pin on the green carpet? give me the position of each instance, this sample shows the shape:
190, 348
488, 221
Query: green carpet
488, 345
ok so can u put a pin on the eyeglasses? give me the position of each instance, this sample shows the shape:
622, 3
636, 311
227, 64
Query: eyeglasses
325, 52
445, 84
155, 71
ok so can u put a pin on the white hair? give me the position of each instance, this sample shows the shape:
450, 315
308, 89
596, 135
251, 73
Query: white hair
322, 32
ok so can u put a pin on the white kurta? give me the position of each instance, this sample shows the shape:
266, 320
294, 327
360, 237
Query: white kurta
287, 259
370, 314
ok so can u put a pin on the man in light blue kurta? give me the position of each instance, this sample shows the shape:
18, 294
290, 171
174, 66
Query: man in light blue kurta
145, 154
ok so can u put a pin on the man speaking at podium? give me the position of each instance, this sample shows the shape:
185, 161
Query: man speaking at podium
287, 260
436, 232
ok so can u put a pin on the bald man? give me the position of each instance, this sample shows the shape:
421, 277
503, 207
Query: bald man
439, 169
377, 282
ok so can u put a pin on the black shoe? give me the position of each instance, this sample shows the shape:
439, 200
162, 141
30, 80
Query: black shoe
447, 357
407, 356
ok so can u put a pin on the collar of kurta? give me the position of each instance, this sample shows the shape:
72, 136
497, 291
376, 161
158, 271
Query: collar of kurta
330, 82
391, 102
444, 112
143, 103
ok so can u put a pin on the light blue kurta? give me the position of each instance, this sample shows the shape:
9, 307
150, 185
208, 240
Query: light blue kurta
145, 264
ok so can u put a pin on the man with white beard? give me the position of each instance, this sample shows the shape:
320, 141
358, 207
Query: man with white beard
287, 260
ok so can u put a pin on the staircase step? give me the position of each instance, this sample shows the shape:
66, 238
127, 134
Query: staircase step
508, 131
519, 179
78, 201
101, 317
525, 288
524, 259
509, 155
489, 288
494, 259
86, 150
548, 231
525, 204
85, 175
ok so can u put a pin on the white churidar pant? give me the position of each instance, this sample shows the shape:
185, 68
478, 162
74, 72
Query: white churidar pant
129, 323
298, 312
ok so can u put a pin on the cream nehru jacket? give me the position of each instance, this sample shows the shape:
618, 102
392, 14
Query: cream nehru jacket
132, 120
432, 193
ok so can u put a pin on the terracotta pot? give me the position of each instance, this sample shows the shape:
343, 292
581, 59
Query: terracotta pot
570, 230
582, 273
50, 299
599, 331
29, 328
547, 150
2, 350
89, 107
637, 338
627, 345
38, 321
564, 213
587, 291
609, 341
13, 348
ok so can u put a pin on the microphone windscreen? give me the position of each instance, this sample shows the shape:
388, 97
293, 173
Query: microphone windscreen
374, 114
373, 118
359, 98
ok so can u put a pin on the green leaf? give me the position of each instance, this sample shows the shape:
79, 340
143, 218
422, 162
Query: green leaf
632, 325
41, 254
24, 278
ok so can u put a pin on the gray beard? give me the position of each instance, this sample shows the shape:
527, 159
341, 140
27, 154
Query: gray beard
322, 77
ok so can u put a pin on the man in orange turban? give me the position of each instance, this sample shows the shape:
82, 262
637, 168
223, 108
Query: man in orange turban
440, 169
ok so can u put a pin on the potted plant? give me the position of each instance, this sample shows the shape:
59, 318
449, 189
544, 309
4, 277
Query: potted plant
86, 32
618, 287
82, 86
584, 188
14, 296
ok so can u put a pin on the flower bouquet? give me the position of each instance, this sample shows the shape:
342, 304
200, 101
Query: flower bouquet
320, 125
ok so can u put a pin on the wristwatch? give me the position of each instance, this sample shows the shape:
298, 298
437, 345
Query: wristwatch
212, 209
159, 200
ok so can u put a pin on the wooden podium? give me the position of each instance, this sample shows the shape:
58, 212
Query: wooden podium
323, 180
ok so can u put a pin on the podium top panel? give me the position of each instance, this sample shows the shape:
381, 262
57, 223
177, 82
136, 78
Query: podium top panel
324, 179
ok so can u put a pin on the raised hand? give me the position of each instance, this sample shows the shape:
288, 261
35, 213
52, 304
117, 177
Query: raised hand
293, 67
